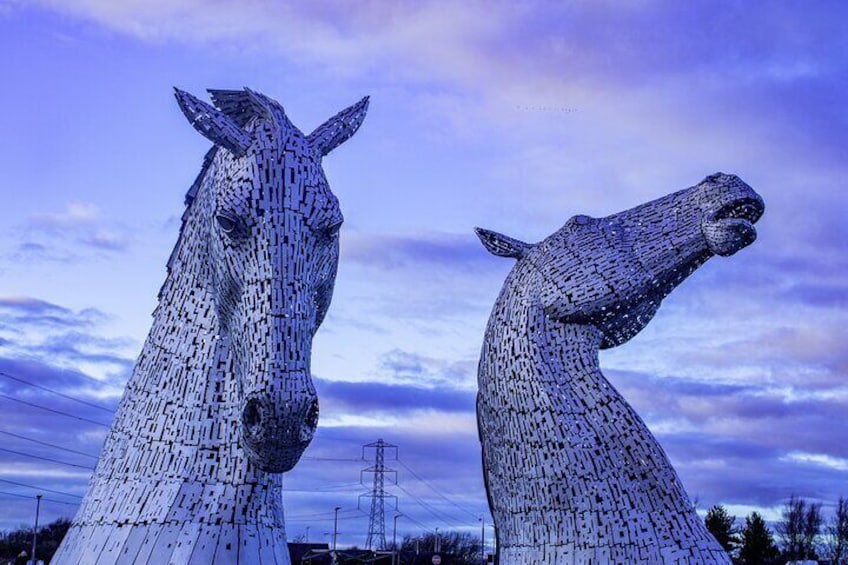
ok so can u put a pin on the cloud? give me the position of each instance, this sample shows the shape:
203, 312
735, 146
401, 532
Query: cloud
60, 236
433, 250
429, 372
370, 397
75, 214
54, 424
738, 444
36, 329
33, 311
586, 40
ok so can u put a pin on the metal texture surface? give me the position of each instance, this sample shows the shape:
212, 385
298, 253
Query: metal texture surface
572, 473
221, 400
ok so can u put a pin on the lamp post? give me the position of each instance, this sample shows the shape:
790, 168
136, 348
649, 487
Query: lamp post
335, 525
35, 530
436, 544
307, 534
394, 540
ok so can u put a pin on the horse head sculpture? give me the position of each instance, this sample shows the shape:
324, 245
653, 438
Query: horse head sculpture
272, 252
221, 399
612, 273
572, 473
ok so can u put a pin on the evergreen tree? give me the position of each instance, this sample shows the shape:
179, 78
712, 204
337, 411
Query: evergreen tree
721, 525
758, 546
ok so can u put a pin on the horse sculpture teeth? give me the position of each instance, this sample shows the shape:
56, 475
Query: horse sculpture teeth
572, 473
731, 227
221, 398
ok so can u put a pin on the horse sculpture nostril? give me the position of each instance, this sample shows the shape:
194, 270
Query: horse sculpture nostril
251, 416
312, 416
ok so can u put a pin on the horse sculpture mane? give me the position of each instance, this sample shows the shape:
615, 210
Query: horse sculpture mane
572, 473
221, 401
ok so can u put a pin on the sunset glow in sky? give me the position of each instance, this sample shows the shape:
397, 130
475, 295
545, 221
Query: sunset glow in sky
509, 116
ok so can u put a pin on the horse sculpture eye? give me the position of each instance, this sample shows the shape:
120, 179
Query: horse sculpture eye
229, 225
332, 230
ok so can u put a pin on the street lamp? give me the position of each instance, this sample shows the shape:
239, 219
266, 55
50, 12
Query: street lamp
35, 530
336, 525
394, 540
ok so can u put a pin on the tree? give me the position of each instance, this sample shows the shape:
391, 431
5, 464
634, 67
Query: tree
721, 525
461, 547
799, 528
812, 529
49, 537
837, 531
757, 545
791, 526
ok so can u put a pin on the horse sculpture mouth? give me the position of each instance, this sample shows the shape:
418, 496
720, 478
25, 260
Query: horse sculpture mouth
731, 227
748, 208
274, 443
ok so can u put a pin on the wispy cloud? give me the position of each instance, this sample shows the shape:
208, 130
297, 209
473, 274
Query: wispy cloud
27, 311
74, 215
425, 251
62, 236
738, 443
34, 329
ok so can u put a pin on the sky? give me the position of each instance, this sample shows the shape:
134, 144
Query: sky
510, 116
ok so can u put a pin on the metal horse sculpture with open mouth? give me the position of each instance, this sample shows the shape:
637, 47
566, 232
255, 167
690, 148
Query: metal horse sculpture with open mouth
221, 399
572, 473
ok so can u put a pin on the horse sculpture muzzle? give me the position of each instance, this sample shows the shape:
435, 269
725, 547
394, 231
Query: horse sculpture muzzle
279, 405
276, 428
730, 226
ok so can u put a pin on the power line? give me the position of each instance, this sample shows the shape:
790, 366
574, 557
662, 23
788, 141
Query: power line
417, 523
34, 405
444, 517
48, 444
333, 459
39, 488
328, 488
29, 496
56, 392
434, 489
318, 514
46, 459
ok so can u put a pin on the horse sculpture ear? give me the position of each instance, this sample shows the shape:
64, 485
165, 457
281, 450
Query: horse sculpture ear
338, 129
213, 124
501, 245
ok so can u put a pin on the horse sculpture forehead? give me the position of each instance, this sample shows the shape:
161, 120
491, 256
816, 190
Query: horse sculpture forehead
268, 165
280, 174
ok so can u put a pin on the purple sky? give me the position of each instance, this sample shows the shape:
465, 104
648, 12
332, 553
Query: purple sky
508, 116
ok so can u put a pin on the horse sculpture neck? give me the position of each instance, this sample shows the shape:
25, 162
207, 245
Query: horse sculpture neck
172, 472
575, 487
572, 473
